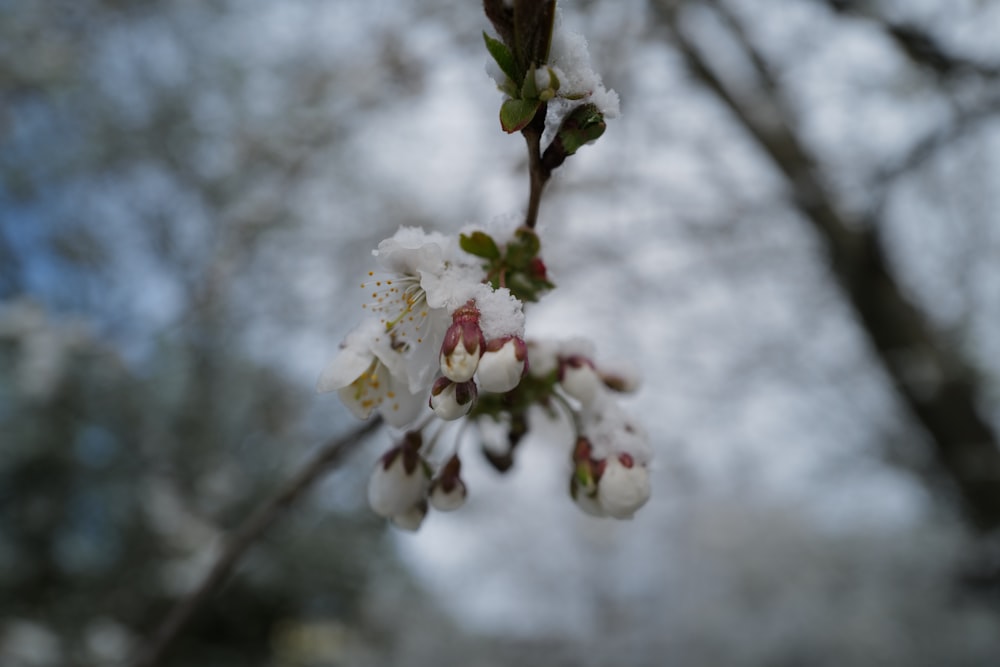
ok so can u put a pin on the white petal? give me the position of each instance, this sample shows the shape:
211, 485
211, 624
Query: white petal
344, 369
500, 371
460, 365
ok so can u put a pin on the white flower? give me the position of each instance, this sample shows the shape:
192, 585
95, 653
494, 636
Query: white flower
427, 277
623, 487
370, 374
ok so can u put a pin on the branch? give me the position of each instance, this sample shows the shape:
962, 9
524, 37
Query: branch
901, 335
920, 46
538, 172
326, 459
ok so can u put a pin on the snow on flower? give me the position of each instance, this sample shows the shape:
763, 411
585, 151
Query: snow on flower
443, 331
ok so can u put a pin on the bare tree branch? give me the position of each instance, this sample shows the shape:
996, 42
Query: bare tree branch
901, 335
326, 459
920, 46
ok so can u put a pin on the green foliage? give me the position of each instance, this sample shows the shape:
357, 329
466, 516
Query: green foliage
516, 114
480, 244
518, 266
583, 125
526, 33
503, 57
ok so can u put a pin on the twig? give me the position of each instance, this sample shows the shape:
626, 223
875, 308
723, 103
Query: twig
537, 171
327, 458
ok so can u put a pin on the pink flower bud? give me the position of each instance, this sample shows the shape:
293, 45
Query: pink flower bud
463, 344
502, 364
451, 400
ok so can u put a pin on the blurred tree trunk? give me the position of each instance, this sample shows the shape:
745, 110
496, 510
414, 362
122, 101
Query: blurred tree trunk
939, 389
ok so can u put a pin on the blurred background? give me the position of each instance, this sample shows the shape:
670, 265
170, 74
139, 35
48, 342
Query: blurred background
792, 230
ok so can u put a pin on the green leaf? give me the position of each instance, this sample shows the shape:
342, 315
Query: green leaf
516, 114
503, 56
479, 244
528, 240
583, 125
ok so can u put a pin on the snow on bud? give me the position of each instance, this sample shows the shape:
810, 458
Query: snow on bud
463, 344
451, 400
448, 491
502, 365
579, 379
623, 487
543, 358
400, 479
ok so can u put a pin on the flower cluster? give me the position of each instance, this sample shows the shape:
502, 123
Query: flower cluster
445, 331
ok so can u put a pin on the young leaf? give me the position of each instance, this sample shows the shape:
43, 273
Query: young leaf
583, 125
503, 56
479, 244
528, 239
516, 114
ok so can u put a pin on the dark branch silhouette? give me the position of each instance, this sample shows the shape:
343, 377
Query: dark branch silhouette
240, 540
901, 335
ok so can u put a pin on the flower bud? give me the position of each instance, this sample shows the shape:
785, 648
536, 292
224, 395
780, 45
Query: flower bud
585, 501
400, 478
502, 364
463, 344
579, 379
411, 519
451, 400
448, 491
623, 487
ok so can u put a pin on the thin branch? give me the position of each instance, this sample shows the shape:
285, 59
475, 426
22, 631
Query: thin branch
917, 44
326, 459
538, 172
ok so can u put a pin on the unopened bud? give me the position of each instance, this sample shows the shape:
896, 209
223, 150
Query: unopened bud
400, 478
411, 519
452, 400
448, 491
463, 344
502, 365
579, 379
624, 486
